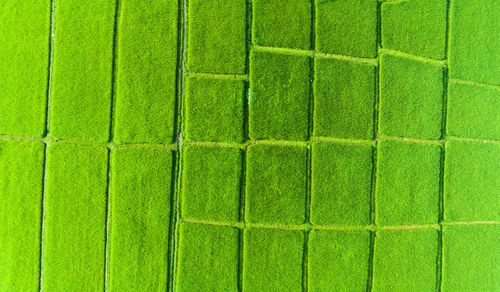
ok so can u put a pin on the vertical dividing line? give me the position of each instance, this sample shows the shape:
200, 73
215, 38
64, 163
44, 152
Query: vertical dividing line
439, 260
305, 260
175, 208
241, 231
373, 232
107, 237
242, 218
46, 135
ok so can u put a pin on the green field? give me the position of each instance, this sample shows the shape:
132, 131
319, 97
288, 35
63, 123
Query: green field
250, 145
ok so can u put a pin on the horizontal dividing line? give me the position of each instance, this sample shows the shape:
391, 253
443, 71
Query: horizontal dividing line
311, 53
469, 82
472, 140
245, 144
308, 226
411, 140
443, 63
110, 145
243, 77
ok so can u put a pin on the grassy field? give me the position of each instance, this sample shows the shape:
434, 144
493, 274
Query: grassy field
250, 145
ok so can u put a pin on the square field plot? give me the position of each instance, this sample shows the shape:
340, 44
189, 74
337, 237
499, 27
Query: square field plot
407, 190
405, 260
211, 183
338, 260
216, 36
146, 72
417, 27
272, 260
141, 190
474, 41
347, 27
471, 258
279, 96
24, 55
208, 258
282, 23
341, 184
276, 184
471, 181
214, 110
473, 111
343, 90
411, 98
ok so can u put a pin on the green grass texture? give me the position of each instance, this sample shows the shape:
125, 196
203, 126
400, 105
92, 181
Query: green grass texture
250, 145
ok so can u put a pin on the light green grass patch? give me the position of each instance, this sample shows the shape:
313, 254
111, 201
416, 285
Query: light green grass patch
341, 184
211, 183
411, 98
417, 27
214, 110
405, 260
471, 181
347, 27
272, 260
471, 258
279, 96
140, 210
208, 258
75, 221
343, 90
282, 23
81, 80
21, 166
146, 70
276, 184
473, 111
474, 41
24, 55
408, 176
338, 261
216, 40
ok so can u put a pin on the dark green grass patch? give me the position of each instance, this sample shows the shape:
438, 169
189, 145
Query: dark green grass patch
407, 189
405, 260
471, 181
347, 27
21, 166
341, 184
338, 261
272, 260
211, 183
75, 224
343, 90
473, 111
474, 41
214, 110
24, 55
411, 98
140, 211
279, 96
416, 27
282, 23
146, 72
471, 258
81, 81
208, 258
276, 184
216, 36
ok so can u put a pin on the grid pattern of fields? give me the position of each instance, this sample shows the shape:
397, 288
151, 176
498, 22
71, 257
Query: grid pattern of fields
250, 145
